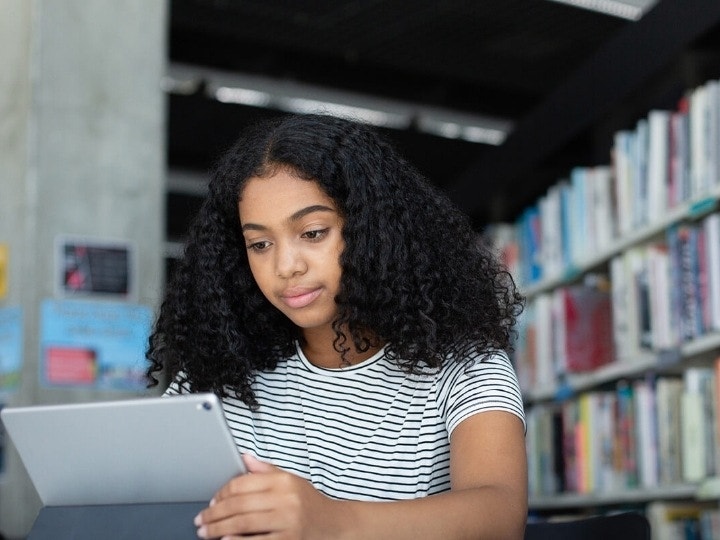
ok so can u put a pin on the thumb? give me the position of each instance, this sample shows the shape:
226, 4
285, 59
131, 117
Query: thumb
254, 465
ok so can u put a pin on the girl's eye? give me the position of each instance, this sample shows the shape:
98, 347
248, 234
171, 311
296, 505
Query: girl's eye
258, 246
316, 234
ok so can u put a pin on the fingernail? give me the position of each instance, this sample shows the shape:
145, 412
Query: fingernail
212, 501
197, 521
202, 532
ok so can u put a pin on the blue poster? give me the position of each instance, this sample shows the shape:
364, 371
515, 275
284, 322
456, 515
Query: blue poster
11, 347
93, 344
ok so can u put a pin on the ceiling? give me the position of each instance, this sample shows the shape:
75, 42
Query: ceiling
483, 58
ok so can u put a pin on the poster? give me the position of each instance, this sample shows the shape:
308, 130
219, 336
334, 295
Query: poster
11, 347
3, 271
91, 267
93, 344
3, 445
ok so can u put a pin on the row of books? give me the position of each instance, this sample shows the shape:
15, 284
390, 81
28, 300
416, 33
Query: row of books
683, 520
654, 298
670, 158
640, 434
667, 292
567, 330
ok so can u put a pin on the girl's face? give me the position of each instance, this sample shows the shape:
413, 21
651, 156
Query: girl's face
293, 235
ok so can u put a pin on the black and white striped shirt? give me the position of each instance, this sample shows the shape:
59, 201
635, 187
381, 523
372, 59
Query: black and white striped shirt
370, 431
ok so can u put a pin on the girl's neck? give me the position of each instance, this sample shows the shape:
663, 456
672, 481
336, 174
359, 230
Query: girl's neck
320, 352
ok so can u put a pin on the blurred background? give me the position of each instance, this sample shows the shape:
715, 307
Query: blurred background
112, 113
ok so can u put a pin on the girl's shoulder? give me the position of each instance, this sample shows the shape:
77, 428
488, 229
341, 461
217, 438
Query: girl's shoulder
470, 360
478, 382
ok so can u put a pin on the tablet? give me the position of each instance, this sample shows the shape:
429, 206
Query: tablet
142, 450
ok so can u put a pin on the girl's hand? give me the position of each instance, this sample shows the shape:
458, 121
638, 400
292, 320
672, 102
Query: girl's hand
268, 503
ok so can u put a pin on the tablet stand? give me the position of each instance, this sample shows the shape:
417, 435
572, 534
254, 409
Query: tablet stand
157, 521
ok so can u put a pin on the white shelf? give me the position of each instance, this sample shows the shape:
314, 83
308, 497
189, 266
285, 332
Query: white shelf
709, 489
577, 500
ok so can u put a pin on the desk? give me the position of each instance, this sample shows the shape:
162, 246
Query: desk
163, 521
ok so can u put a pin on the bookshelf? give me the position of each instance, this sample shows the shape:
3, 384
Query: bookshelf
641, 427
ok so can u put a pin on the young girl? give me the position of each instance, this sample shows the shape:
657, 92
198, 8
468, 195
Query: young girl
354, 327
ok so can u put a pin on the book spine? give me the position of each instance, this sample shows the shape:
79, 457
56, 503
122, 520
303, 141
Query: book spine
711, 225
646, 433
626, 429
693, 426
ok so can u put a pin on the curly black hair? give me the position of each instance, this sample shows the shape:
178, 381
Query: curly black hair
414, 274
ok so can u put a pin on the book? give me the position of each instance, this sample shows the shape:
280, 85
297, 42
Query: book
569, 414
639, 153
711, 135
679, 166
588, 328
603, 208
551, 231
658, 162
641, 281
559, 332
698, 172
630, 292
711, 227
501, 238
622, 181
683, 250
715, 407
668, 394
663, 333
709, 392
646, 432
529, 242
524, 354
608, 476
544, 361
626, 434
566, 223
580, 232
585, 450
694, 424
621, 309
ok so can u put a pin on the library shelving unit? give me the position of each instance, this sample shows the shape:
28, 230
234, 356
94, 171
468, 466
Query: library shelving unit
635, 425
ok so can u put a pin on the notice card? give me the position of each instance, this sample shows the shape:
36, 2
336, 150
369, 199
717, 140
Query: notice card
99, 345
96, 268
3, 271
11, 347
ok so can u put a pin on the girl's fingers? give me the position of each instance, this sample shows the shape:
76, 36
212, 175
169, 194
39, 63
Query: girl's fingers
242, 515
249, 493
254, 465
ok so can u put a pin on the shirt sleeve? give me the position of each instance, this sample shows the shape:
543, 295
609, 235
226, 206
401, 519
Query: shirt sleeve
485, 383
177, 387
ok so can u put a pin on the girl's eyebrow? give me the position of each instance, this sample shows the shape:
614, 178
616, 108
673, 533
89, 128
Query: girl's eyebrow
296, 216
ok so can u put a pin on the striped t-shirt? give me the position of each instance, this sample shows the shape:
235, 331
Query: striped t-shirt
370, 431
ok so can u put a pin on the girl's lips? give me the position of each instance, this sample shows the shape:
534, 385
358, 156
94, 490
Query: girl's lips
300, 298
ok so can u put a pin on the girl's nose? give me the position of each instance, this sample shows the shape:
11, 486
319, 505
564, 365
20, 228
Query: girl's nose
289, 262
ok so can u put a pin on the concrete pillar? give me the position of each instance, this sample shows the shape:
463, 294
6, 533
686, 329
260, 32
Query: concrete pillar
82, 152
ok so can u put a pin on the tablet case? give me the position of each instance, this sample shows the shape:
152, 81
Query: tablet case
123, 467
156, 521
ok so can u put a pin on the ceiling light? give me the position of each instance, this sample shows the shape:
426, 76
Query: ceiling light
453, 125
626, 9
242, 96
290, 96
349, 112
